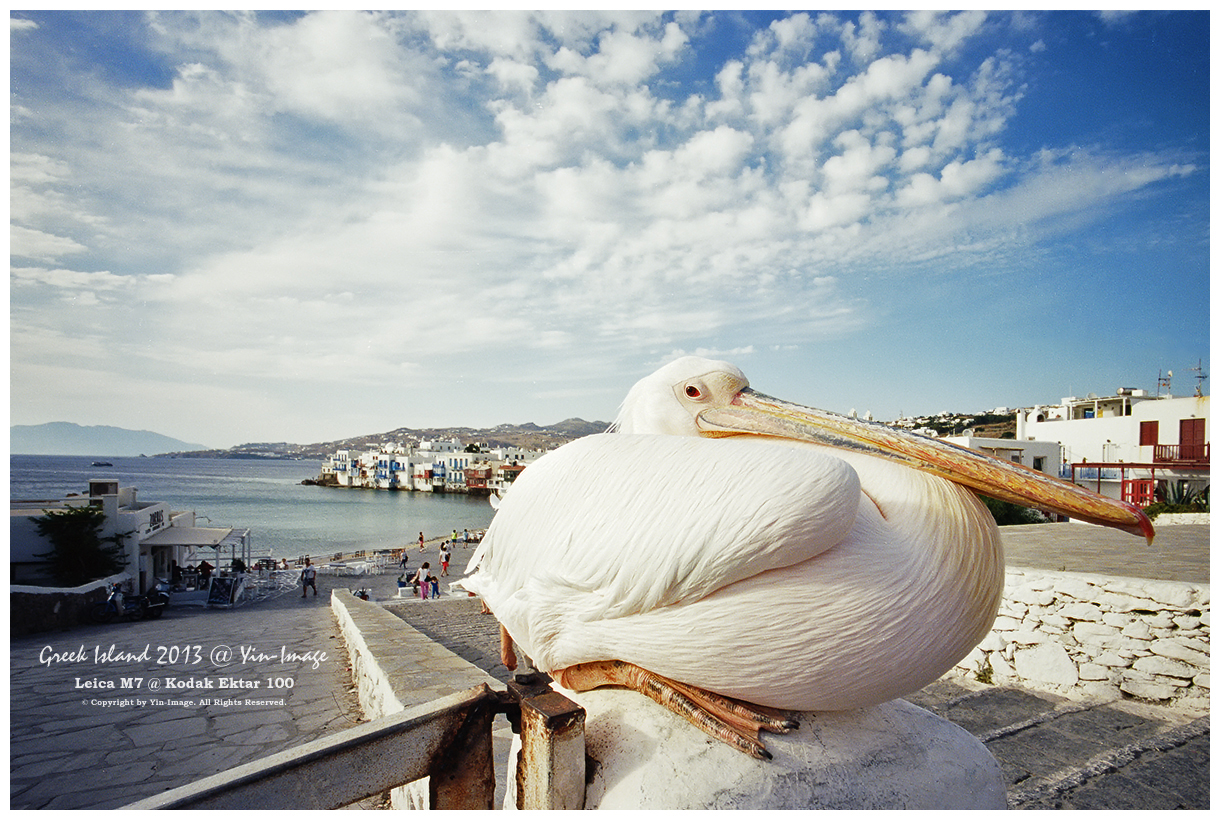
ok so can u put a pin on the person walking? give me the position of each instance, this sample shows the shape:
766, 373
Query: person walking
421, 542
309, 578
422, 577
445, 554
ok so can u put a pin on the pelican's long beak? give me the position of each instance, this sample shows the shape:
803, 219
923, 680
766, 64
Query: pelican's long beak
753, 412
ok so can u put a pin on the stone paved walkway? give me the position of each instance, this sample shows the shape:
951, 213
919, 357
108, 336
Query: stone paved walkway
1178, 553
73, 748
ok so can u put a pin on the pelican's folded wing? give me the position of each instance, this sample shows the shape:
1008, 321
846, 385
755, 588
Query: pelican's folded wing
627, 523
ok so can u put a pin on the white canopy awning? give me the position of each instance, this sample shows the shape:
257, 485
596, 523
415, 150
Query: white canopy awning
188, 537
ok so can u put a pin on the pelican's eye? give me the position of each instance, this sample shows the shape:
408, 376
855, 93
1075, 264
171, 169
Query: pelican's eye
693, 392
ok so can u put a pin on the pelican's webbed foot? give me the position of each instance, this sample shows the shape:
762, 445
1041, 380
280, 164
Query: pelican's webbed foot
731, 721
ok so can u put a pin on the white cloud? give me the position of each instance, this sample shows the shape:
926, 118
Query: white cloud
67, 279
862, 39
1114, 17
339, 68
956, 180
944, 31
347, 198
859, 167
794, 34
34, 169
40, 246
624, 58
513, 75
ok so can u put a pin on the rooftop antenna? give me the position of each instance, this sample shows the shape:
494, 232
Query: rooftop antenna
1163, 381
1199, 376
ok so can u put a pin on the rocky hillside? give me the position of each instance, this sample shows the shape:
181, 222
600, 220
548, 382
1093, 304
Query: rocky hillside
534, 437
528, 436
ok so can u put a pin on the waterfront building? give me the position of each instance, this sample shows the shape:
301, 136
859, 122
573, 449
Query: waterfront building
504, 475
394, 469
151, 533
442, 466
478, 477
348, 468
1125, 444
429, 464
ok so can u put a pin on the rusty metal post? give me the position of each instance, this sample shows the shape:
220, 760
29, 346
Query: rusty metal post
551, 766
463, 776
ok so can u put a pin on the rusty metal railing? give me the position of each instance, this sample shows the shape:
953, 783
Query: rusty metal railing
448, 741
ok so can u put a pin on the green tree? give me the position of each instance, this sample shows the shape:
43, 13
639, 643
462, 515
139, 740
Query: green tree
1006, 513
78, 552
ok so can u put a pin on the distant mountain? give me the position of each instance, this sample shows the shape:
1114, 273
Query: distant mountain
61, 438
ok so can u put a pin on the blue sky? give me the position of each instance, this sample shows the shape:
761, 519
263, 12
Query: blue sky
244, 227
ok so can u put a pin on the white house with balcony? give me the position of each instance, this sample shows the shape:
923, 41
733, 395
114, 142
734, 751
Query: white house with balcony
345, 467
395, 468
431, 463
1122, 445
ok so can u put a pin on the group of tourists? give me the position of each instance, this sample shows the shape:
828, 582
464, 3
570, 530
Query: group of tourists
426, 580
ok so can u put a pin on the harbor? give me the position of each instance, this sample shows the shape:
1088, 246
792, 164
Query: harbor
284, 518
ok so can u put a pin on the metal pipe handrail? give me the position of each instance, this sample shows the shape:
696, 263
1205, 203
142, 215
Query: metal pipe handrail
341, 769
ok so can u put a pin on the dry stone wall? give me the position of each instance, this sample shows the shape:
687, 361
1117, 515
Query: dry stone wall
1090, 636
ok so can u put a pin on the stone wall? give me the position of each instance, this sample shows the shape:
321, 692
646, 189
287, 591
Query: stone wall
1086, 635
51, 609
374, 688
1171, 519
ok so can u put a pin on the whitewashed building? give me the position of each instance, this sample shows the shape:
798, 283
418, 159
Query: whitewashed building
1124, 444
394, 468
152, 535
1043, 456
433, 466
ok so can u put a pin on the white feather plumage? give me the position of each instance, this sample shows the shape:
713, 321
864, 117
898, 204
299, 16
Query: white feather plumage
781, 573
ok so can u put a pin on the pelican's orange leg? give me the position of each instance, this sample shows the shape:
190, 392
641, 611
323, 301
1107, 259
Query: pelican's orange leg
731, 721
508, 657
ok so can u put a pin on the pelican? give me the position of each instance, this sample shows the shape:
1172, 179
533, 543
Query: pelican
736, 557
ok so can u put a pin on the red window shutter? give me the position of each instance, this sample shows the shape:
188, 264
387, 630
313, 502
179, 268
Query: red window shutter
1148, 433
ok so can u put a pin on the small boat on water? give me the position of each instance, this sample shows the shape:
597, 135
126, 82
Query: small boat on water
101, 464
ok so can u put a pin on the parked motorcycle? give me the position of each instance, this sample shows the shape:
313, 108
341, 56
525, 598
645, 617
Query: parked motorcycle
118, 605
156, 600
362, 594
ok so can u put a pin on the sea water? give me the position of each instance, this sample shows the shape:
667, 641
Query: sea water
286, 518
